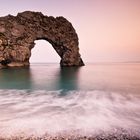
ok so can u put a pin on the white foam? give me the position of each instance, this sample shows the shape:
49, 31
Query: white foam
39, 112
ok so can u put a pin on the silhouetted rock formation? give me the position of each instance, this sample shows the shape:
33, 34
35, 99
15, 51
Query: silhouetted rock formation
18, 33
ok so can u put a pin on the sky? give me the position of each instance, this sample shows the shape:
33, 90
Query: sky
108, 30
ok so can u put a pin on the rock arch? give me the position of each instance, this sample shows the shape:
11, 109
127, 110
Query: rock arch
18, 33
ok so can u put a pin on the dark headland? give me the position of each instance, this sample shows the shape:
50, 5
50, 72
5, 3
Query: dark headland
18, 33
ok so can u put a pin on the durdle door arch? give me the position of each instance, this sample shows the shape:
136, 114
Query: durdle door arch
18, 33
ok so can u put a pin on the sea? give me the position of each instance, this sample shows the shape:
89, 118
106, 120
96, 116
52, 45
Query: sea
98, 99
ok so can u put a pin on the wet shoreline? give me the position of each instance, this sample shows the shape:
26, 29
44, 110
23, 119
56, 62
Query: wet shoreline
116, 135
111, 137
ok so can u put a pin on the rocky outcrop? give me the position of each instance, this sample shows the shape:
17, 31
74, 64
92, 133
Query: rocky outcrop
18, 33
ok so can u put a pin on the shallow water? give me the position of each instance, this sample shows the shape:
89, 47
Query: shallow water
48, 99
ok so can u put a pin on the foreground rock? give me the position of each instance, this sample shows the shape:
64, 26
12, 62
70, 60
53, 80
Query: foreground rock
18, 33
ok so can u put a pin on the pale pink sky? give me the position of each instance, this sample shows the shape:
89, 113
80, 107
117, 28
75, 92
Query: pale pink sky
108, 30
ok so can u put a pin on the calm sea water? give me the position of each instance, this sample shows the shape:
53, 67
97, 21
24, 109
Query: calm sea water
46, 98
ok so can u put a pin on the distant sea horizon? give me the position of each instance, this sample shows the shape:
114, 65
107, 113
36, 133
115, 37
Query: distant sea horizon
87, 62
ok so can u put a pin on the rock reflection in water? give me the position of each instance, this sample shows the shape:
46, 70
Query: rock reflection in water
16, 78
68, 79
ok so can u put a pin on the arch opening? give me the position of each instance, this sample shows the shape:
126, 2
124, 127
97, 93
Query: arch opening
43, 52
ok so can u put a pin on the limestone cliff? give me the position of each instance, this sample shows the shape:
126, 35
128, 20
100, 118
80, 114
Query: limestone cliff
18, 33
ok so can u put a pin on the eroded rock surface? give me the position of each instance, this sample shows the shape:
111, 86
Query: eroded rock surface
18, 33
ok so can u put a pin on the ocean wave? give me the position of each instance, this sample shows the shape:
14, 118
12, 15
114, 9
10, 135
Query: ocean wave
37, 112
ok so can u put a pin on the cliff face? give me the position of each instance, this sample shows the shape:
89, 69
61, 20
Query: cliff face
18, 33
